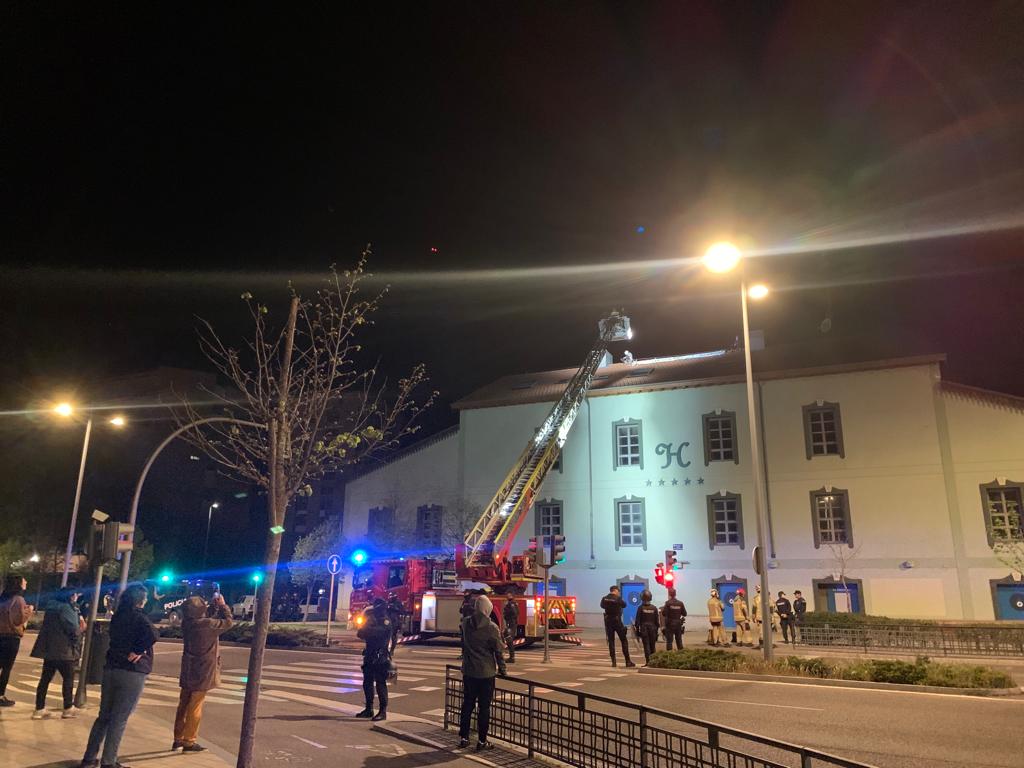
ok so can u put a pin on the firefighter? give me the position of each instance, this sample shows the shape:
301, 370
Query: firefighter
755, 612
376, 633
799, 609
716, 612
673, 616
741, 613
647, 623
396, 613
510, 620
612, 604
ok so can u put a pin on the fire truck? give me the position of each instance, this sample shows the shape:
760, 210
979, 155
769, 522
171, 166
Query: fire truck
432, 590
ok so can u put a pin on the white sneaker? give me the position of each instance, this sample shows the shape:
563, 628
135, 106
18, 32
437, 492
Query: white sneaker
40, 714
69, 713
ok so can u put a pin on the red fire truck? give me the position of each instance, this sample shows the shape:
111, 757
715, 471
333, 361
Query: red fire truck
432, 590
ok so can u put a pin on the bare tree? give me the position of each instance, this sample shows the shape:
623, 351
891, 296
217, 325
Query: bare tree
302, 405
842, 556
459, 517
309, 560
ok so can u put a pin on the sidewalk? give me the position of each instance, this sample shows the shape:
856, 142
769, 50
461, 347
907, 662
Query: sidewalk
57, 743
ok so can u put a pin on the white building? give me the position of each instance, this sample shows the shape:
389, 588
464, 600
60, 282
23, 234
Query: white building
880, 464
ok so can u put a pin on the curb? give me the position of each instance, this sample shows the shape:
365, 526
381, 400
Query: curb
797, 680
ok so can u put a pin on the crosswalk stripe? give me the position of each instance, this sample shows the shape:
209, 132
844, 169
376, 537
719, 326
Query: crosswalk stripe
434, 712
425, 688
401, 663
302, 686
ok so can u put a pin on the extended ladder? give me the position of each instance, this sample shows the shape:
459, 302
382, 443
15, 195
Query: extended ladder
503, 516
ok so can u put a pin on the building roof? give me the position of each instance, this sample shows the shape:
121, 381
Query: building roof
983, 395
703, 369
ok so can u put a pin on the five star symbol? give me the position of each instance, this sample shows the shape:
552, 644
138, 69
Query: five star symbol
686, 481
674, 481
661, 482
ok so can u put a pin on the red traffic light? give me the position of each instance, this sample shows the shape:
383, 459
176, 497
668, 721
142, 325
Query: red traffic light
659, 573
670, 579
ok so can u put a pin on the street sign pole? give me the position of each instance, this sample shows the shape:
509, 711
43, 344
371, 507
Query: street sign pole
80, 693
333, 566
547, 616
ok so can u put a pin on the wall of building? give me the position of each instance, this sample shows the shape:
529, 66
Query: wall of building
910, 474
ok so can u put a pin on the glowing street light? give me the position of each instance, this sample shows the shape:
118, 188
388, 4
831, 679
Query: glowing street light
723, 257
118, 421
209, 519
63, 409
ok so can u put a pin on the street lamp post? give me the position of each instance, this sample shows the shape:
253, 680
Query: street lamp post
720, 258
66, 410
209, 519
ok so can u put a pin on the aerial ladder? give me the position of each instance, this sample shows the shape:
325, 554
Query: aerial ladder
484, 557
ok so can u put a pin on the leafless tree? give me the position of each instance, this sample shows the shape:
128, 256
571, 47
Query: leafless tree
842, 555
302, 404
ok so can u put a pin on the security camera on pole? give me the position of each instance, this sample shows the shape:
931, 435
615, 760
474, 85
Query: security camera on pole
107, 540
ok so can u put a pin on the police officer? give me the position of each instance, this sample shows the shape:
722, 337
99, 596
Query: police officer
673, 616
376, 633
510, 622
612, 604
741, 613
647, 623
785, 610
799, 609
396, 614
716, 614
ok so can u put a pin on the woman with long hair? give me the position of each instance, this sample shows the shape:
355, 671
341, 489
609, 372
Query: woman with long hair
58, 645
129, 660
14, 615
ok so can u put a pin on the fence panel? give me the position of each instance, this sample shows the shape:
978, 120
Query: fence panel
952, 640
589, 731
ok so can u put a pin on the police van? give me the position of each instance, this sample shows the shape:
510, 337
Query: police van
166, 599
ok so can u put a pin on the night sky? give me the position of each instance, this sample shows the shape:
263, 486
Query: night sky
158, 162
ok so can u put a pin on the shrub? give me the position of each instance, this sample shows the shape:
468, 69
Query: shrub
705, 660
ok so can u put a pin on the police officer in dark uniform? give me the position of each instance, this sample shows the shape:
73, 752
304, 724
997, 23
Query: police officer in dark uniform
785, 611
510, 621
396, 613
673, 616
376, 633
647, 624
799, 609
612, 604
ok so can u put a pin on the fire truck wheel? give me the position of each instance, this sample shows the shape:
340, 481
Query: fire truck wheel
174, 618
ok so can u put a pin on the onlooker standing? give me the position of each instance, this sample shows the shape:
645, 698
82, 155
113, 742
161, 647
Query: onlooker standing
14, 615
785, 611
376, 633
58, 647
613, 605
510, 618
482, 660
129, 660
799, 609
200, 666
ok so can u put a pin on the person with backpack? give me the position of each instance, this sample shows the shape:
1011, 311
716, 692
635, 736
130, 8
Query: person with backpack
59, 646
14, 615
482, 661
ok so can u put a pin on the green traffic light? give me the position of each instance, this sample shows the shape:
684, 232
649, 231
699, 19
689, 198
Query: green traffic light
257, 578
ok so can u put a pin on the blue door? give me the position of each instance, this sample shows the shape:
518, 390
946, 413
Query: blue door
1010, 602
726, 593
631, 594
837, 600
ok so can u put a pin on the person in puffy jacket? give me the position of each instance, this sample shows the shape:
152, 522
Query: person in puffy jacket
59, 646
201, 627
482, 661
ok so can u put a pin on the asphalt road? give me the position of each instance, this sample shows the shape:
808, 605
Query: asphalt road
308, 699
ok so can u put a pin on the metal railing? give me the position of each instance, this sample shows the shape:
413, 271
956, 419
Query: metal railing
951, 640
588, 731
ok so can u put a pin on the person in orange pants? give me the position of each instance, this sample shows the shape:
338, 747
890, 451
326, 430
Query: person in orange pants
200, 666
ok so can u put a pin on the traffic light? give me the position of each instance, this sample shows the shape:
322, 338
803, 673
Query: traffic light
117, 538
670, 560
256, 578
659, 573
359, 557
557, 549
670, 580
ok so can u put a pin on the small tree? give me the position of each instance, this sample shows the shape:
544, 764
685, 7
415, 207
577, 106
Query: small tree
302, 406
12, 551
842, 556
309, 561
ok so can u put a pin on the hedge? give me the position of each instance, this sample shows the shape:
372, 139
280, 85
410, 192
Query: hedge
854, 620
922, 671
281, 637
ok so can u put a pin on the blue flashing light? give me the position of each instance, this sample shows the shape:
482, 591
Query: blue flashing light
165, 577
641, 229
359, 557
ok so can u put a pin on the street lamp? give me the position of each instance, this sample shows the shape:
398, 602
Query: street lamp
209, 518
720, 258
66, 410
